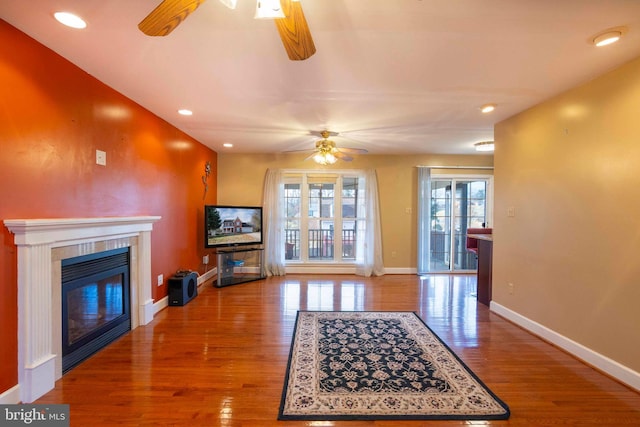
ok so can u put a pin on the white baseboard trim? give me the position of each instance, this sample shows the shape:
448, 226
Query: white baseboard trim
593, 358
161, 304
320, 269
11, 396
337, 269
400, 270
207, 275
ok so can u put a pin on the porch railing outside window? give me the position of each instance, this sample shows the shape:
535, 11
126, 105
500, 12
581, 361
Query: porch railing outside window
349, 244
441, 251
291, 244
321, 244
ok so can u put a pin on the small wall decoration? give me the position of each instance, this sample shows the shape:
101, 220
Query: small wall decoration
205, 178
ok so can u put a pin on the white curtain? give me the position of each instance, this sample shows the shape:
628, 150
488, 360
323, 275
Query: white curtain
369, 236
424, 220
273, 199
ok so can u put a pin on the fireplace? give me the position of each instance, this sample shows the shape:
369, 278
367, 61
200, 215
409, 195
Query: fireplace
43, 245
95, 303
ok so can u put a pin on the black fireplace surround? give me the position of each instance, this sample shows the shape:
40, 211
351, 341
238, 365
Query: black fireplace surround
95, 303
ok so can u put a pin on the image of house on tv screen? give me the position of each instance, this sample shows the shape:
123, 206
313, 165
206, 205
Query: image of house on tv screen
233, 226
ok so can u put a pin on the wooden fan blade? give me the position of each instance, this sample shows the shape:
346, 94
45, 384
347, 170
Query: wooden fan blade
167, 16
294, 31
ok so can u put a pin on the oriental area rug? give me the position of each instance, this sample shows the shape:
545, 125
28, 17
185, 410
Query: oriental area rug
379, 366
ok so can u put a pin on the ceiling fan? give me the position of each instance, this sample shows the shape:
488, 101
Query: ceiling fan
292, 27
326, 152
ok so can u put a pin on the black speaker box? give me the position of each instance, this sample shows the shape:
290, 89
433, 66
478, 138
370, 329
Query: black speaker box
183, 288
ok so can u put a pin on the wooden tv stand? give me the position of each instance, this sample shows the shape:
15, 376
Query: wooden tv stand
239, 265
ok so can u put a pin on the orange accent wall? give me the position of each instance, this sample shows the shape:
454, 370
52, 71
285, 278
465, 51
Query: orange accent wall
53, 118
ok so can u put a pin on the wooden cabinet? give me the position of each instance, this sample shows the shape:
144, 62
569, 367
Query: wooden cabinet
485, 262
485, 265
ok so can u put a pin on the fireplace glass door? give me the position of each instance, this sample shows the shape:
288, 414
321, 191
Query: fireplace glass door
95, 303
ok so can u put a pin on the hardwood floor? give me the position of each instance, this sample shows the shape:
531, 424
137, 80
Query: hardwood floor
220, 360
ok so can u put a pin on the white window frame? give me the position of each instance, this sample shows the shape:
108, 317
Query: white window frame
337, 265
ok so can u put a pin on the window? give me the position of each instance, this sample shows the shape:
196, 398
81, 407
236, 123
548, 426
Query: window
316, 206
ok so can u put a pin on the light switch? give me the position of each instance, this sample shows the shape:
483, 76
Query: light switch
101, 158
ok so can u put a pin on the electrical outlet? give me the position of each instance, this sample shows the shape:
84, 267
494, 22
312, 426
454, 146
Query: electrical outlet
160, 279
510, 288
205, 259
511, 212
393, 254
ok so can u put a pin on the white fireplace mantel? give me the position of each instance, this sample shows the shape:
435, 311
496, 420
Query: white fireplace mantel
38, 305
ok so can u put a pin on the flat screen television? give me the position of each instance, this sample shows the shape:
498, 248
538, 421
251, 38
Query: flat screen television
226, 226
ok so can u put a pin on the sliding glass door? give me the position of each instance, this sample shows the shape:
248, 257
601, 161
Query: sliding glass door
457, 204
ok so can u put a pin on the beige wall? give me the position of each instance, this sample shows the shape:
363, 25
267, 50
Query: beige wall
571, 169
241, 178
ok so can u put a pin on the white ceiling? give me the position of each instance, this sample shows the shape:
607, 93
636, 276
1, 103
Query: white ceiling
392, 76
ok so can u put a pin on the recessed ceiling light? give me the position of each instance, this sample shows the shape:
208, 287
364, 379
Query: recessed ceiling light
227, 144
487, 108
607, 38
185, 112
70, 20
484, 146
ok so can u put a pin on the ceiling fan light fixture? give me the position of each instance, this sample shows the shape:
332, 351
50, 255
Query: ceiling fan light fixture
484, 146
324, 158
269, 9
